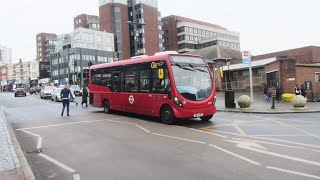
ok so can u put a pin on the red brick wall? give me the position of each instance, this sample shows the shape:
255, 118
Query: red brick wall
170, 33
288, 71
106, 14
309, 54
308, 74
151, 30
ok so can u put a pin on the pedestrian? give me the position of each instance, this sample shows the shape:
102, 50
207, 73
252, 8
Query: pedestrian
84, 96
65, 96
303, 90
297, 90
268, 93
265, 91
278, 92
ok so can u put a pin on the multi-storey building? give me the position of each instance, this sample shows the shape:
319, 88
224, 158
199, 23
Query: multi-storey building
184, 35
34, 70
136, 25
72, 65
86, 38
87, 21
45, 45
5, 55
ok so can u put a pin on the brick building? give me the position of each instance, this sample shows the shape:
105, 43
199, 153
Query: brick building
184, 35
86, 21
288, 68
45, 45
136, 26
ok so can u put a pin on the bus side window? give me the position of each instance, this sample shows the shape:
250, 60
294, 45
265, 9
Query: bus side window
116, 82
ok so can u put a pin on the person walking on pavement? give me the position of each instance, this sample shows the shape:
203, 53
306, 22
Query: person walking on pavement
65, 96
297, 90
303, 90
84, 96
278, 92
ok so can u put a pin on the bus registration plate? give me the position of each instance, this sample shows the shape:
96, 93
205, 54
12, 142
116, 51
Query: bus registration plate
198, 115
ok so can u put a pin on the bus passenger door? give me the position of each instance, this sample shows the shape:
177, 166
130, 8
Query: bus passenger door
116, 89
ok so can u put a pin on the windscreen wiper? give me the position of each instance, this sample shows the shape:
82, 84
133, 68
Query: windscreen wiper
196, 68
184, 67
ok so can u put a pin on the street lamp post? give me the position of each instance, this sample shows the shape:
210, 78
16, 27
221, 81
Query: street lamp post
135, 34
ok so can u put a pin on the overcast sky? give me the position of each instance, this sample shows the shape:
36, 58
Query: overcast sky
265, 25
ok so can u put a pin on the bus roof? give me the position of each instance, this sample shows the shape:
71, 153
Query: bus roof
139, 60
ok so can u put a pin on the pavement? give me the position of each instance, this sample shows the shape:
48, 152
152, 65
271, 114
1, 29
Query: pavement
13, 165
261, 106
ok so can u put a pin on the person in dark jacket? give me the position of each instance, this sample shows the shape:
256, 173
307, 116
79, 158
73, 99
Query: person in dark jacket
303, 90
65, 96
278, 92
84, 96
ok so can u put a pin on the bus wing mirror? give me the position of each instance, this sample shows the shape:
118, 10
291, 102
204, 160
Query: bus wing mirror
160, 73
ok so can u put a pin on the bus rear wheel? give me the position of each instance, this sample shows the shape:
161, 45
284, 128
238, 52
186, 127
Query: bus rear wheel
106, 107
166, 115
206, 118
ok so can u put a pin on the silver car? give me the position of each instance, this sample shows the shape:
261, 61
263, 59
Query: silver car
55, 95
46, 91
75, 89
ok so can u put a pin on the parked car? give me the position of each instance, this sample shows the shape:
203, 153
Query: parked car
46, 91
20, 92
34, 90
55, 95
75, 89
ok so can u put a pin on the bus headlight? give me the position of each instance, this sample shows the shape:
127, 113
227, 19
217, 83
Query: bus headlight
177, 101
214, 100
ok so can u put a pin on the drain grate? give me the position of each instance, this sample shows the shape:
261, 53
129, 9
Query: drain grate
34, 151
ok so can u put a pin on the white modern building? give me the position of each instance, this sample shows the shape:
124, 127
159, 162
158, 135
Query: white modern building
5, 55
34, 70
87, 39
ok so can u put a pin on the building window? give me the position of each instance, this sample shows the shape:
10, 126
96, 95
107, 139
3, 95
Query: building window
316, 77
245, 73
260, 71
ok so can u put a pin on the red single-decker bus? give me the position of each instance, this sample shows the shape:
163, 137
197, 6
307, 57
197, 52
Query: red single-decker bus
167, 85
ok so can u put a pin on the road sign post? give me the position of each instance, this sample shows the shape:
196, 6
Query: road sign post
246, 59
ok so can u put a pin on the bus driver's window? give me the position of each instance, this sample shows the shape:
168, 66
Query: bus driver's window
161, 85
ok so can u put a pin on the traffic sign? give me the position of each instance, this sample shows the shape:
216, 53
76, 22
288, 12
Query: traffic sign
246, 57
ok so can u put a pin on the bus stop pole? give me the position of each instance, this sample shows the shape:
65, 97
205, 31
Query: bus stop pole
250, 74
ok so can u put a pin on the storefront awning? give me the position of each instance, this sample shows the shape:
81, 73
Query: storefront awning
254, 64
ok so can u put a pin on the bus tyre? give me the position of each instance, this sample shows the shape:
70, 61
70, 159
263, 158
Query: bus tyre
206, 118
106, 107
166, 115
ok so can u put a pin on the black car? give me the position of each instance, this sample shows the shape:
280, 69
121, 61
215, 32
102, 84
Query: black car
20, 92
34, 90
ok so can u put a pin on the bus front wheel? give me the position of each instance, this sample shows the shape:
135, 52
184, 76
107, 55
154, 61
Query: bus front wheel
166, 115
206, 118
106, 107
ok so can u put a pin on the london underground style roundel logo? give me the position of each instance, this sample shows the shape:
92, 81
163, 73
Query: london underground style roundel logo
131, 99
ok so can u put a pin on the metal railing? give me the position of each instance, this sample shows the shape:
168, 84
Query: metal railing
241, 85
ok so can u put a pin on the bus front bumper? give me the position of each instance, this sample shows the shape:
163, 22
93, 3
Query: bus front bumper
193, 113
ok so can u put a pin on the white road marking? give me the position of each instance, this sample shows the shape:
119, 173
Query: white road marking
239, 130
173, 137
57, 163
252, 147
39, 144
146, 130
55, 125
293, 172
76, 177
208, 133
28, 132
236, 155
269, 143
280, 135
316, 150
271, 139
297, 129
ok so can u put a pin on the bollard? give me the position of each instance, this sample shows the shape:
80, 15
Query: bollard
273, 99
